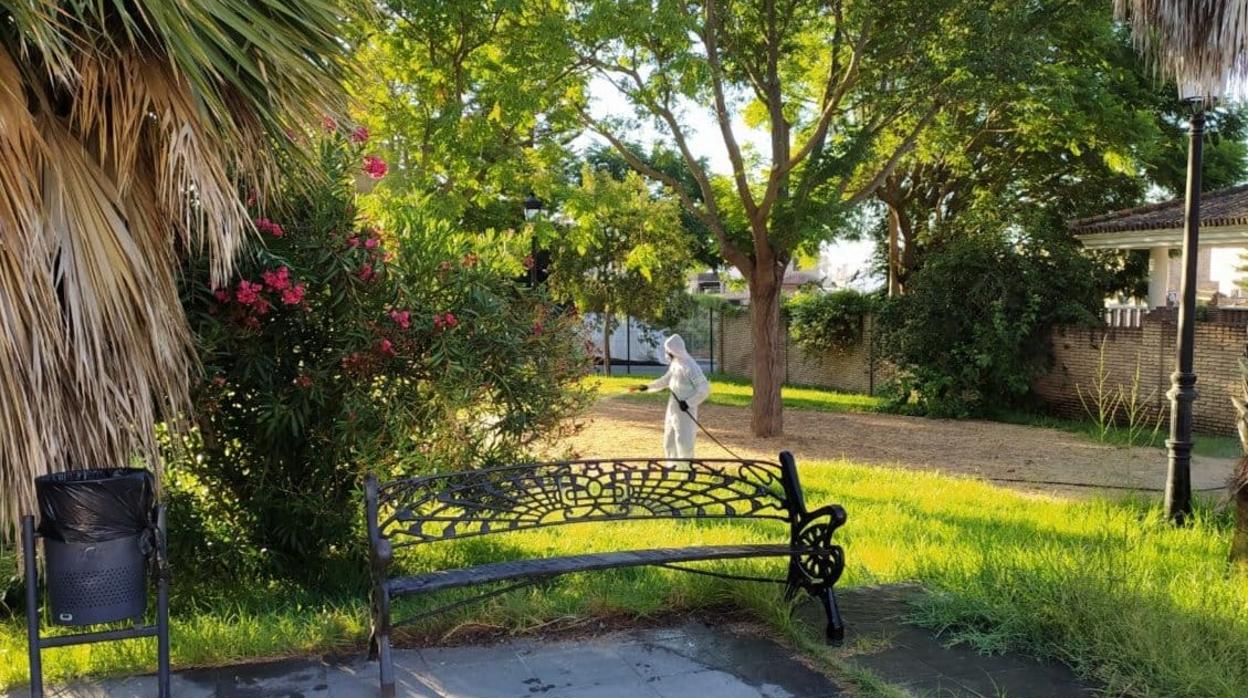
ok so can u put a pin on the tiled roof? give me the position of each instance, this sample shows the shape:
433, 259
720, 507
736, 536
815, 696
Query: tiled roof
1225, 207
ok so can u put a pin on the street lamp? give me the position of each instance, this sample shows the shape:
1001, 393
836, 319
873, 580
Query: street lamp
532, 209
1183, 381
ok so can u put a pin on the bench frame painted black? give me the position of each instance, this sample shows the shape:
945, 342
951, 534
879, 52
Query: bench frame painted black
436, 508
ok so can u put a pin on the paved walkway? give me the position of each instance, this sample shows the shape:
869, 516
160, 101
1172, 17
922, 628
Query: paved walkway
689, 660
919, 662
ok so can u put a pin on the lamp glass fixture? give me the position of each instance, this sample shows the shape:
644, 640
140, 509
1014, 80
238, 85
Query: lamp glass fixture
532, 206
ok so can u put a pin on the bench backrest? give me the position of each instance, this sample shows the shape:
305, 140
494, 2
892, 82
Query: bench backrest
516, 497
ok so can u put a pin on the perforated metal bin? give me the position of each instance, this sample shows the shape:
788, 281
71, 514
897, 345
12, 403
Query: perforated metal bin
91, 583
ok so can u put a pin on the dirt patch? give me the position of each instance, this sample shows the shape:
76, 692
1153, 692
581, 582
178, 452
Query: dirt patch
629, 428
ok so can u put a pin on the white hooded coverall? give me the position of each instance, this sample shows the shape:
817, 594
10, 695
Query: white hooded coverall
684, 380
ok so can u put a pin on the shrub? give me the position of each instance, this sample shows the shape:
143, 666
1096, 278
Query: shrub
340, 349
971, 331
828, 322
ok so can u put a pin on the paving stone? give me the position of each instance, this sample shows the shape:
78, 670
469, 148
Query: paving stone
922, 663
692, 660
506, 678
712, 682
650, 660
567, 666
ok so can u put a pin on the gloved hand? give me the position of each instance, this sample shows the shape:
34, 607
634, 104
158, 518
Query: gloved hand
684, 406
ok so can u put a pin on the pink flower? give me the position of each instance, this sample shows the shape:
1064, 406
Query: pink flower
360, 135
387, 347
252, 322
248, 293
450, 320
265, 225
277, 280
294, 295
402, 318
371, 243
375, 167
261, 306
537, 328
328, 123
366, 272
222, 295
353, 242
303, 380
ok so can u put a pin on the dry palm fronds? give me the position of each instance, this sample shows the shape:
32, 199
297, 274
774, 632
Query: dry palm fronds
1203, 44
127, 133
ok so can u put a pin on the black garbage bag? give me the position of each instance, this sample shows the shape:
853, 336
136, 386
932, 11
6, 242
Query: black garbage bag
95, 506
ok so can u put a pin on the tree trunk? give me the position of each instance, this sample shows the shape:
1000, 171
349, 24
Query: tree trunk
1239, 544
606, 342
894, 253
767, 419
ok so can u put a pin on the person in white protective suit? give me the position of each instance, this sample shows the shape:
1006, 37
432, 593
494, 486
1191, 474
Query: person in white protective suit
688, 388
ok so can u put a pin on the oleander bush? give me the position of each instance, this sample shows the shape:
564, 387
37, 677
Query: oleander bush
339, 349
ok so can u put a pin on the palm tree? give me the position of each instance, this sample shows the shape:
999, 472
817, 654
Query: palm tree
1201, 43
1239, 482
127, 132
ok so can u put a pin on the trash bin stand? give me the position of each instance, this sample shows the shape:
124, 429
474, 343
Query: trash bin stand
36, 642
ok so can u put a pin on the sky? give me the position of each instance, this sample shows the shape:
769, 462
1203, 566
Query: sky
838, 261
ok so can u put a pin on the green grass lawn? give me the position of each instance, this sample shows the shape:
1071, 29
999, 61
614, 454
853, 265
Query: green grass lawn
1144, 608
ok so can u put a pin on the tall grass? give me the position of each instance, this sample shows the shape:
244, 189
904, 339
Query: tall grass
1141, 607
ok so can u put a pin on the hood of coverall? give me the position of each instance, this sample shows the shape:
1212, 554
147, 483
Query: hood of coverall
675, 348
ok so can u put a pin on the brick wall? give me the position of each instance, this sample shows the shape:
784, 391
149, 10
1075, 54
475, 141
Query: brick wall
855, 370
1077, 354
1076, 357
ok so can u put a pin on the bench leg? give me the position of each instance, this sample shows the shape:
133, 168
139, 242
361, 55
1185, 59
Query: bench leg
379, 641
386, 664
836, 625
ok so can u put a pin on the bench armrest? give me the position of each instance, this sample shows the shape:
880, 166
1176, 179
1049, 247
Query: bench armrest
813, 532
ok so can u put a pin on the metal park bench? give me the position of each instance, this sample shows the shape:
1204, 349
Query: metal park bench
436, 508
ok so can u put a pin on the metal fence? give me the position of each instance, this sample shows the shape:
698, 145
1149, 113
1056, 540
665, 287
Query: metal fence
637, 347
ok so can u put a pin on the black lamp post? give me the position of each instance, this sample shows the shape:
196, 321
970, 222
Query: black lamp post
532, 209
1183, 381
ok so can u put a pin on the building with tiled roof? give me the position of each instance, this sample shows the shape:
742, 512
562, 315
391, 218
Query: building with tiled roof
1159, 229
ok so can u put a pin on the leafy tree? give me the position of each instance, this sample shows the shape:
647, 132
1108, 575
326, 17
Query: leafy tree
841, 89
971, 331
1057, 127
828, 322
624, 250
1066, 122
128, 130
470, 102
340, 349
664, 159
1224, 155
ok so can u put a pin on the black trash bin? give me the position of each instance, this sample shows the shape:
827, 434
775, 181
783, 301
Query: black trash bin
98, 533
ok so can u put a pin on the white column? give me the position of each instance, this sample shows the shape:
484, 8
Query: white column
1158, 276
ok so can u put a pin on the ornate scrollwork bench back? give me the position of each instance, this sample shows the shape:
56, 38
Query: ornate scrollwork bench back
463, 504
517, 497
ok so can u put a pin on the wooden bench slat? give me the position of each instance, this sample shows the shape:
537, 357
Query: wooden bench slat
555, 566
